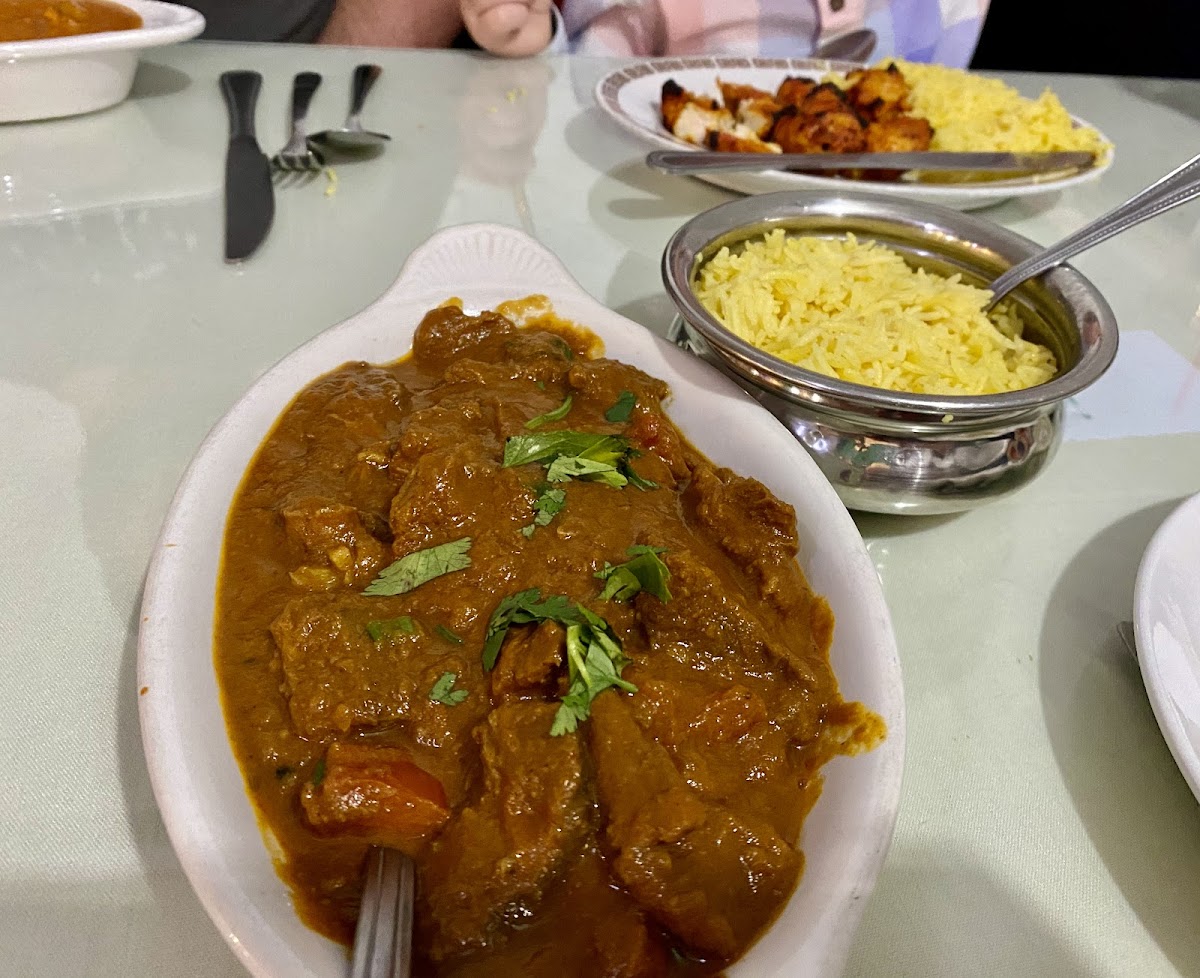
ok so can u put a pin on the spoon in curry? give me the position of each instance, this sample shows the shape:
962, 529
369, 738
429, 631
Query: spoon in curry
383, 936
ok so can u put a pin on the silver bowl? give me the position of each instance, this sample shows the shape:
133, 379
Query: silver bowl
889, 451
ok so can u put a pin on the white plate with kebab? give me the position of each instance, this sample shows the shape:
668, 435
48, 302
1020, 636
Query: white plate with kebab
807, 105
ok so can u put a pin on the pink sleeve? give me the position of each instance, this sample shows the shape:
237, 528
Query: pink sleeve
612, 27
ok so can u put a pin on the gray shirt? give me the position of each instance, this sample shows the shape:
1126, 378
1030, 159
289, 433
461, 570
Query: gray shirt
263, 20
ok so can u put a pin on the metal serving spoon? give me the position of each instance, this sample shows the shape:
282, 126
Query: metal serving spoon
852, 46
1177, 187
383, 936
352, 135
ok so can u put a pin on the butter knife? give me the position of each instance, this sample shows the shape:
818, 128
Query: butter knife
249, 198
704, 161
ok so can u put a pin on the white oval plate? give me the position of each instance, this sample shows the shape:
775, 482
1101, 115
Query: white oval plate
63, 76
631, 97
196, 780
1167, 627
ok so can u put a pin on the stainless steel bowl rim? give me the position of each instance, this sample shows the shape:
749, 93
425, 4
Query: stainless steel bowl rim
809, 387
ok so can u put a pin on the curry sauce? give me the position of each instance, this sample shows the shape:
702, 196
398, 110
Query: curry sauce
35, 20
586, 687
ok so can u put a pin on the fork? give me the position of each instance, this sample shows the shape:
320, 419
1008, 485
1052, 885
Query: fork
297, 156
383, 938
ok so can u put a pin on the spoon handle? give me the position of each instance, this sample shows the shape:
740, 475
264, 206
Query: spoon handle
364, 77
1178, 187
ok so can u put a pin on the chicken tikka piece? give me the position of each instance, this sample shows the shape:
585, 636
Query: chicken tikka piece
870, 114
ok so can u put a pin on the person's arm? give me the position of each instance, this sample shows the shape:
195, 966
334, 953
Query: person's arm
394, 23
510, 28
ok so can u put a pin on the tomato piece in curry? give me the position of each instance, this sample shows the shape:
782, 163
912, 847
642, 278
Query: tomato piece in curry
644, 822
36, 20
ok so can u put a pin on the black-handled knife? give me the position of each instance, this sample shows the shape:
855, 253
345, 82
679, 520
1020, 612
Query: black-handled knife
249, 197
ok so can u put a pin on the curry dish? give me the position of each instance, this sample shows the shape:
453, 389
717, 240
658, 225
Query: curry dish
488, 606
36, 20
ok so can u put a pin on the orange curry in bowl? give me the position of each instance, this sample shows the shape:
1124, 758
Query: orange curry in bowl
37, 20
487, 605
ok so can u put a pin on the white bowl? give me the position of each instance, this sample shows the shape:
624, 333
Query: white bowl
62, 76
196, 779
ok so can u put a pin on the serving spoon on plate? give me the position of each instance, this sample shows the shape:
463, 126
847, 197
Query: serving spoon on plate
852, 46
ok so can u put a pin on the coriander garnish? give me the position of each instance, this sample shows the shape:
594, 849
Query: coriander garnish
414, 569
444, 692
318, 773
620, 411
557, 414
379, 630
645, 572
523, 608
594, 663
577, 455
594, 656
548, 503
448, 635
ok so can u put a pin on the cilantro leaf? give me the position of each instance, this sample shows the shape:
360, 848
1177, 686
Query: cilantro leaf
379, 630
575, 706
634, 479
444, 692
645, 572
594, 663
448, 635
318, 773
523, 608
557, 414
548, 504
414, 569
567, 467
594, 655
619, 413
547, 446
577, 455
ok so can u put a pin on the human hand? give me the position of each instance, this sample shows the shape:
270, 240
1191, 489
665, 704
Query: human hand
511, 28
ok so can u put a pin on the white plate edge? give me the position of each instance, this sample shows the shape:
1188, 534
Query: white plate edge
1186, 757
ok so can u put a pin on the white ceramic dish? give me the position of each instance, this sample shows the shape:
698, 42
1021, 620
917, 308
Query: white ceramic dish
65, 76
631, 97
1167, 626
196, 779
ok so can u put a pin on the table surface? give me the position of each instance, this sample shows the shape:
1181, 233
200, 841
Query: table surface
1044, 828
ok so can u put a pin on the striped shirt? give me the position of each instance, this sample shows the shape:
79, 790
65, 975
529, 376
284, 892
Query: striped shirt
941, 31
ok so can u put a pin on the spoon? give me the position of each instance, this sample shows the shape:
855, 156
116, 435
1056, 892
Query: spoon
383, 936
1177, 187
352, 135
851, 46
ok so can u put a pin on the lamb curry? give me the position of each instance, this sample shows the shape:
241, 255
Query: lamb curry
35, 20
488, 606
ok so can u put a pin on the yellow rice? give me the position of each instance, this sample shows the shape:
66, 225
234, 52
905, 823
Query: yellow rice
857, 311
970, 113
